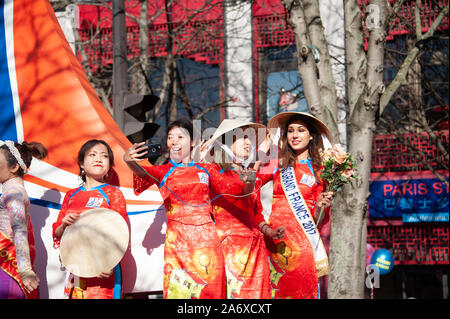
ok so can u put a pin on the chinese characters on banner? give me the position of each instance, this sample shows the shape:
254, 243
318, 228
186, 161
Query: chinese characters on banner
412, 198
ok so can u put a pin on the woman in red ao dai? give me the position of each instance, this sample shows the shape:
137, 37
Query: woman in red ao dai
295, 264
95, 160
237, 219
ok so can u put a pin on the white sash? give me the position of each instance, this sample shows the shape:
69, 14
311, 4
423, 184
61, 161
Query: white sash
304, 218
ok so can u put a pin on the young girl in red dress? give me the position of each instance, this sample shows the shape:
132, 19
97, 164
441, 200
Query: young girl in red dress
95, 160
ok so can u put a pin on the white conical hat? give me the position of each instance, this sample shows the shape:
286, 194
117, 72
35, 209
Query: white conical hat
228, 125
96, 242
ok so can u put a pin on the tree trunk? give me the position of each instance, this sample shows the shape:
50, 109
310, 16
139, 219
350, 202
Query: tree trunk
354, 50
141, 71
349, 213
305, 59
328, 113
348, 217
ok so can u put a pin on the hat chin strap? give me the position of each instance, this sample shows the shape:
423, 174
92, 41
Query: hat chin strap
326, 142
237, 159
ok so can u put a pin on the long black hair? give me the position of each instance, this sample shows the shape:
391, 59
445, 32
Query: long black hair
85, 148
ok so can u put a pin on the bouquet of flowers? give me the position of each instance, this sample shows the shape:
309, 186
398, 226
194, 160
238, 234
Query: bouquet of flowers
338, 169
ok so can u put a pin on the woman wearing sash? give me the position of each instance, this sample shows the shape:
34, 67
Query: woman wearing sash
193, 258
237, 218
95, 161
17, 278
299, 259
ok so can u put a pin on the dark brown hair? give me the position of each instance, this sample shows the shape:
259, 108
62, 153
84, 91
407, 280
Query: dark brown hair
287, 154
85, 148
27, 152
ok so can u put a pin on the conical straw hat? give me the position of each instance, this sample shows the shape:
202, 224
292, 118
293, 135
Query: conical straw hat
96, 242
280, 120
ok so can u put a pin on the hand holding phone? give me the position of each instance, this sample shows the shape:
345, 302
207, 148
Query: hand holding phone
153, 150
136, 153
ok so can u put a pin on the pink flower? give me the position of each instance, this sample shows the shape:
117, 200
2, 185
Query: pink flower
327, 154
339, 154
348, 173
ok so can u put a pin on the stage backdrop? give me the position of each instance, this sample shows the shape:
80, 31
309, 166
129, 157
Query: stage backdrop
45, 96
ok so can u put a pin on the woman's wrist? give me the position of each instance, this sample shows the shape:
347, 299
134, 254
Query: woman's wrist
263, 228
26, 273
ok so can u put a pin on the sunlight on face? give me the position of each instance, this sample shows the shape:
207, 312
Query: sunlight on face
96, 162
5, 172
241, 147
298, 137
179, 144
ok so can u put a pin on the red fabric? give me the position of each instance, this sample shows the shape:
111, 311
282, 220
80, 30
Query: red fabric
8, 263
193, 258
293, 269
242, 242
31, 245
93, 288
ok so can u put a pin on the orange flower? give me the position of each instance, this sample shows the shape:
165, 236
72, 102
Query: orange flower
339, 154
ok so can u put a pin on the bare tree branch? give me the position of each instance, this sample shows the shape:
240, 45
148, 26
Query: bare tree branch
400, 78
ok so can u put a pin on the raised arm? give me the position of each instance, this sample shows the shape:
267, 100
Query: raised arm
133, 156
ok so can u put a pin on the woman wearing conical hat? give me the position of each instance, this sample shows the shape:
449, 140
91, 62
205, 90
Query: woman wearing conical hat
299, 259
237, 219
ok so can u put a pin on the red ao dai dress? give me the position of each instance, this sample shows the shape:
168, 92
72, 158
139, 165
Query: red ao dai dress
16, 240
246, 259
194, 265
293, 267
78, 200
